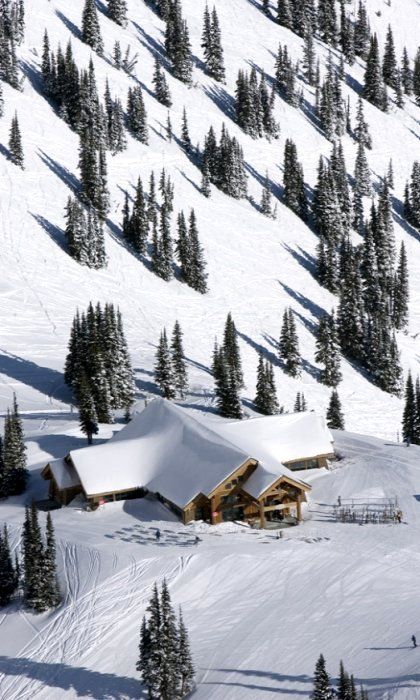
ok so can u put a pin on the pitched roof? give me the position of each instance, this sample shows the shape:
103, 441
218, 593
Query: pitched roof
163, 449
167, 450
64, 474
274, 440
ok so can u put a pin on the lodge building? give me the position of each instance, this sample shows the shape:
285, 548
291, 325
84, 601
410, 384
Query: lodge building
209, 469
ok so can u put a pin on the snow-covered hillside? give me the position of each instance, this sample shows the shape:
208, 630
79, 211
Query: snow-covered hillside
259, 610
256, 266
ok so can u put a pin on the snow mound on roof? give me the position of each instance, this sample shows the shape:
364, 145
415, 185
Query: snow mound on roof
163, 449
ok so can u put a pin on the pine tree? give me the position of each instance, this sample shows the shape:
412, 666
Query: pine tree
335, 418
91, 31
185, 664
265, 206
411, 414
362, 184
185, 135
14, 472
177, 43
293, 182
231, 351
401, 292
168, 641
15, 144
327, 21
344, 684
389, 64
52, 596
227, 389
87, 412
33, 561
212, 46
196, 275
361, 131
374, 90
117, 11
8, 574
406, 73
266, 395
164, 373
161, 86
284, 14
179, 366
327, 351
136, 115
289, 345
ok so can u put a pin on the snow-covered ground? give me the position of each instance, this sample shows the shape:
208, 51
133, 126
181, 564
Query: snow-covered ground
259, 610
256, 266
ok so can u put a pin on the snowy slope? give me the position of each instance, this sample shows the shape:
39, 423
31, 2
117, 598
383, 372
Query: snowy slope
259, 610
256, 266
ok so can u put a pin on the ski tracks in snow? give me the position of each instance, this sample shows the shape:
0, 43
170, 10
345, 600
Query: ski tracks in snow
91, 615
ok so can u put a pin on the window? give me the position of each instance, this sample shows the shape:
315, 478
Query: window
228, 485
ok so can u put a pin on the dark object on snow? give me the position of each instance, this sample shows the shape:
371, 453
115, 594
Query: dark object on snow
414, 640
158, 534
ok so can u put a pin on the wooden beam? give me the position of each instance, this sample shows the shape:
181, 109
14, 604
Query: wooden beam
262, 516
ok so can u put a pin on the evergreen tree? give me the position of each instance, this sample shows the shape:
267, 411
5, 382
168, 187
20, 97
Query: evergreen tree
327, 351
91, 31
327, 21
161, 86
177, 43
33, 559
196, 275
87, 412
389, 64
52, 596
266, 395
117, 10
185, 663
15, 144
185, 134
293, 182
231, 352
136, 115
374, 90
335, 418
361, 131
212, 46
168, 642
164, 372
8, 574
344, 684
284, 14
406, 73
289, 345
361, 32
227, 388
179, 365
14, 472
411, 413
401, 292
265, 206
362, 172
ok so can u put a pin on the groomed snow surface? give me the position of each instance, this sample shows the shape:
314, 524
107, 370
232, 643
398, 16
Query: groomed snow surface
259, 610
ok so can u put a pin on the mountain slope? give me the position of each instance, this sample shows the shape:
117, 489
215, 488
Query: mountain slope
256, 266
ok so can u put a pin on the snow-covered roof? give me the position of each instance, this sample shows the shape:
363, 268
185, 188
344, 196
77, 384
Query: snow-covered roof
274, 441
64, 474
167, 450
163, 449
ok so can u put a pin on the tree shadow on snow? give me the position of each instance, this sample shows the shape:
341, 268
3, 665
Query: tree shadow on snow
83, 681
303, 258
60, 171
259, 348
58, 444
222, 99
44, 379
69, 24
54, 232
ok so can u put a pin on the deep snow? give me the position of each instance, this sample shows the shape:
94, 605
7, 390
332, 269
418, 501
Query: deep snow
259, 610
256, 267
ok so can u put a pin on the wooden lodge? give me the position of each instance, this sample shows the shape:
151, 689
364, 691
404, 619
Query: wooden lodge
215, 471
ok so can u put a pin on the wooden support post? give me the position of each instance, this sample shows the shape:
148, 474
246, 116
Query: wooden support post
213, 518
299, 509
262, 516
